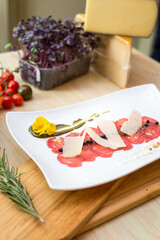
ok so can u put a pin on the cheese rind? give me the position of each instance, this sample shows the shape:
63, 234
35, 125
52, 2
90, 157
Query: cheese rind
133, 124
135, 18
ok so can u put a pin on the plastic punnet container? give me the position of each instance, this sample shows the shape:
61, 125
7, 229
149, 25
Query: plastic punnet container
48, 78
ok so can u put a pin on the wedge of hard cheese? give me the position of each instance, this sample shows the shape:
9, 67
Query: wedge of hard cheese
112, 57
134, 18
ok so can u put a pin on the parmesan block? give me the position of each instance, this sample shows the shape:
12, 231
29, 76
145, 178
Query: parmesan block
109, 129
116, 48
112, 57
133, 124
136, 18
73, 145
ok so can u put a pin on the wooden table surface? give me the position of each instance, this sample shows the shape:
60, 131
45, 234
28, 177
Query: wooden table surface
141, 223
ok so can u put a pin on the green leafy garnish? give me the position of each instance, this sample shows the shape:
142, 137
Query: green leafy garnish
8, 45
10, 185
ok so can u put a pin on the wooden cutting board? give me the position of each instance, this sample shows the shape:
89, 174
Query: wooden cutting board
136, 189
67, 213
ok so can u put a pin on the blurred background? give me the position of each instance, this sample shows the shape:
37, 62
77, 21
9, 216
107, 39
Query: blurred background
12, 11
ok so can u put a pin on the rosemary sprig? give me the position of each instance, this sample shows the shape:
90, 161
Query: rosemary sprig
10, 185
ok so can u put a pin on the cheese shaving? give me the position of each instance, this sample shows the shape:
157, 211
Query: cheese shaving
99, 140
109, 129
133, 124
73, 145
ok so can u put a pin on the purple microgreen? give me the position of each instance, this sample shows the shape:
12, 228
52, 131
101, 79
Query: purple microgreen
48, 43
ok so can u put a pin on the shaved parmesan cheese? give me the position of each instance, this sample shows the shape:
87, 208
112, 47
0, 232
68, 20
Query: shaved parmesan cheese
109, 129
99, 140
73, 145
133, 124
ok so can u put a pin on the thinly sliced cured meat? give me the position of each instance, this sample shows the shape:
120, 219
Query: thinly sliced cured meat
74, 134
102, 151
150, 130
87, 154
127, 142
146, 119
119, 123
137, 138
70, 162
55, 144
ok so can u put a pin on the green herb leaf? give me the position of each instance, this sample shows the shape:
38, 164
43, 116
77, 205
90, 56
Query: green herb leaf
10, 185
8, 45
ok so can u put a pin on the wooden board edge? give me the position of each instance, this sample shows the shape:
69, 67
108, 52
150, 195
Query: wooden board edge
140, 197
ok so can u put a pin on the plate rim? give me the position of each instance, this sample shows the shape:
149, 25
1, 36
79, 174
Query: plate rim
89, 185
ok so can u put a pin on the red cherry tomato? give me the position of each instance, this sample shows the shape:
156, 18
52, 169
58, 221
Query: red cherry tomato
7, 102
17, 99
1, 88
7, 76
14, 85
8, 92
1, 84
1, 100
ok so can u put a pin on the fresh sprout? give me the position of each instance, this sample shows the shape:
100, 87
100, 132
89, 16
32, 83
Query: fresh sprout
47, 43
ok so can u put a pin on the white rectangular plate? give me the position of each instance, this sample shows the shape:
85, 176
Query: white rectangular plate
144, 98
